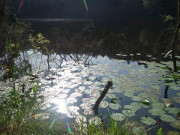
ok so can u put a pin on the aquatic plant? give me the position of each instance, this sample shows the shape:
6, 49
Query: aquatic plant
96, 126
18, 104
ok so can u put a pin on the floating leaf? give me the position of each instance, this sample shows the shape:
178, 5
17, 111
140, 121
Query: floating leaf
172, 110
176, 77
167, 118
176, 99
114, 106
157, 87
176, 124
133, 106
146, 102
144, 105
80, 119
128, 113
174, 87
138, 54
157, 111
118, 116
136, 98
129, 94
103, 104
139, 130
168, 80
95, 120
110, 96
148, 120
158, 105
167, 102
112, 101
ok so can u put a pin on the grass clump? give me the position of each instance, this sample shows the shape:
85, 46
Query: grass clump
97, 127
16, 103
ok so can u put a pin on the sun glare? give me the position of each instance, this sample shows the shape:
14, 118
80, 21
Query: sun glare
60, 105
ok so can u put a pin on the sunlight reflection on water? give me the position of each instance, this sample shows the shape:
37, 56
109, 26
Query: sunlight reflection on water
61, 105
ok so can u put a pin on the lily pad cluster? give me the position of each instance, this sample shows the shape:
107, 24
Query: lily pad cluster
142, 87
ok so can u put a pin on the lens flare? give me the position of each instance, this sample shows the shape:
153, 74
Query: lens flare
68, 127
85, 4
20, 6
52, 123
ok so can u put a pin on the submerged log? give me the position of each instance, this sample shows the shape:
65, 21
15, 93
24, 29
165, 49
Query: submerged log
103, 94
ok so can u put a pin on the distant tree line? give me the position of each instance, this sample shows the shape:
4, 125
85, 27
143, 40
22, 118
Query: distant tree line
97, 8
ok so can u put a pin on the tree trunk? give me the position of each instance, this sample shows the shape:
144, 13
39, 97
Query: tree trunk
175, 38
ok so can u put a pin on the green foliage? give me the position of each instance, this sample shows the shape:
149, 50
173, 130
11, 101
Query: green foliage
15, 108
176, 77
160, 131
18, 104
168, 18
35, 87
146, 102
113, 100
40, 43
112, 128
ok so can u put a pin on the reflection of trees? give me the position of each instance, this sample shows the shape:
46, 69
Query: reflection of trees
83, 40
166, 92
146, 38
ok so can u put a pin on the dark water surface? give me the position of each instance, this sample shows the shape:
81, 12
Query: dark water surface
87, 54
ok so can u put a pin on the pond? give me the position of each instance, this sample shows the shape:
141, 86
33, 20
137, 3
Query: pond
86, 55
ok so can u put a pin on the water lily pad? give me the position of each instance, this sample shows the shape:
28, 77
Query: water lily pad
144, 105
128, 113
129, 94
176, 124
157, 105
148, 120
118, 116
174, 87
167, 102
172, 110
114, 106
133, 106
113, 98
113, 101
157, 111
178, 94
131, 54
138, 54
80, 119
157, 87
136, 98
95, 120
127, 107
167, 118
176, 99
139, 130
149, 55
103, 104
110, 96
71, 100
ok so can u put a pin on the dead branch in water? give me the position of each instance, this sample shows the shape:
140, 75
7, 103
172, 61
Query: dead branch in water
103, 94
